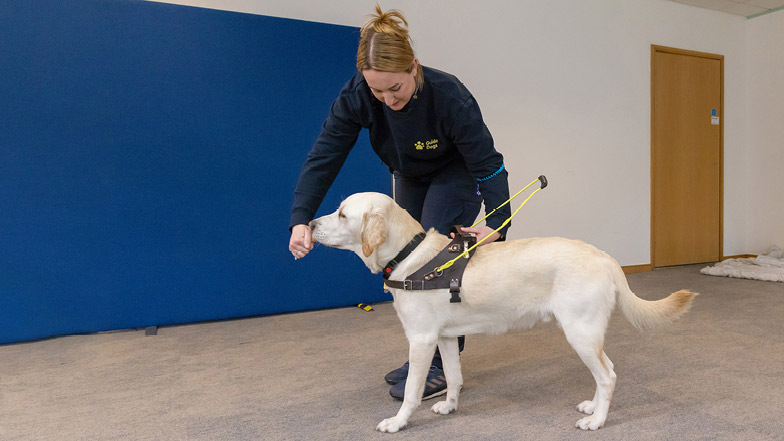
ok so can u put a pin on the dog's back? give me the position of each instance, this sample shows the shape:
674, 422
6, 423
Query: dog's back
523, 281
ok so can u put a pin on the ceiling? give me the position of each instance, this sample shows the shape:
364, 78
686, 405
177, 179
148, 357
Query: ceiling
745, 8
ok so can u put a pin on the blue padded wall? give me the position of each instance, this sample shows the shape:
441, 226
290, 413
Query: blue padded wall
148, 156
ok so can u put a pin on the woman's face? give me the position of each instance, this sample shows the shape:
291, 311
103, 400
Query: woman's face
393, 88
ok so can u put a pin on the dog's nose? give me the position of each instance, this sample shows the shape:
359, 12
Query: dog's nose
314, 234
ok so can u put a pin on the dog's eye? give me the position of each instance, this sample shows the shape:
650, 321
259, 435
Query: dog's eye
341, 215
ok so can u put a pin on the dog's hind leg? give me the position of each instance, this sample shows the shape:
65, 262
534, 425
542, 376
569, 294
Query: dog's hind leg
420, 354
588, 407
450, 355
589, 346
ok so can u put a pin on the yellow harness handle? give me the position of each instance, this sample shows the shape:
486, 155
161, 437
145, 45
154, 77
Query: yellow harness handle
541, 179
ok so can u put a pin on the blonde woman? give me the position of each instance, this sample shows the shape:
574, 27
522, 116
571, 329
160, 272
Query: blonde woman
426, 126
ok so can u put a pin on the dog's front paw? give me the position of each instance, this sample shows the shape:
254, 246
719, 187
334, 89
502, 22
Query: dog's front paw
589, 423
587, 407
390, 425
445, 407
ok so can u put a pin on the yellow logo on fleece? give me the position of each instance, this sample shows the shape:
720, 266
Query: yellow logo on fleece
429, 145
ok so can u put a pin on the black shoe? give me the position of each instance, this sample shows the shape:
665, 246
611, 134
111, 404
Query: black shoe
434, 386
397, 375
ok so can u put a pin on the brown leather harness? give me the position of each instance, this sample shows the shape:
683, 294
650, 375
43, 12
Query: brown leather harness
428, 277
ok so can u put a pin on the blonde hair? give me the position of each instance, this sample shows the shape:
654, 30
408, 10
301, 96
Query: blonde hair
385, 45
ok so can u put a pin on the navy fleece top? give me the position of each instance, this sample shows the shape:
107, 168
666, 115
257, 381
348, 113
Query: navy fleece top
439, 125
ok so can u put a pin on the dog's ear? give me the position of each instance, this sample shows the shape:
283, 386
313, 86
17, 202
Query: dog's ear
374, 233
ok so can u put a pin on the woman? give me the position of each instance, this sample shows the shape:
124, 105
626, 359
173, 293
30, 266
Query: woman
427, 127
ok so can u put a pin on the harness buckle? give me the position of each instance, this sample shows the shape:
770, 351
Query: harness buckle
408, 285
454, 289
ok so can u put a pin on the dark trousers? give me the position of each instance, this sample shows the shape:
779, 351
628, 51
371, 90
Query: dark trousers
450, 197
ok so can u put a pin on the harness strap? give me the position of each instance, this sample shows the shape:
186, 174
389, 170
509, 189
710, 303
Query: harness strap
392, 264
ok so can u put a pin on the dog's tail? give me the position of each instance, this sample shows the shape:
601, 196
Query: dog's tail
647, 314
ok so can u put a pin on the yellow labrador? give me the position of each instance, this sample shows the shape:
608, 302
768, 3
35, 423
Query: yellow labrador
506, 285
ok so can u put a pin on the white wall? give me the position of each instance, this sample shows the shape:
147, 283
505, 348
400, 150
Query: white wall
764, 143
564, 86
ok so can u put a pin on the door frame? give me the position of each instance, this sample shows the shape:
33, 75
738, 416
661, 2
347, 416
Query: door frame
669, 50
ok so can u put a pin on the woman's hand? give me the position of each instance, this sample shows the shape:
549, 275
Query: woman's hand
301, 242
481, 233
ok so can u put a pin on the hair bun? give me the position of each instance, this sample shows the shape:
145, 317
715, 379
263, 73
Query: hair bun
391, 22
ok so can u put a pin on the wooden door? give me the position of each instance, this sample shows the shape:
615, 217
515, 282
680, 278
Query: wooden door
686, 156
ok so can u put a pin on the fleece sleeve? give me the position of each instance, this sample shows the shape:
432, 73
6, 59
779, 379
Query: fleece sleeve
486, 165
330, 150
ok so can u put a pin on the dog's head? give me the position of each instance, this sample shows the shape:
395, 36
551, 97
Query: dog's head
371, 225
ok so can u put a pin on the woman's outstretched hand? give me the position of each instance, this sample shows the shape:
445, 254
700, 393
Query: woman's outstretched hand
301, 241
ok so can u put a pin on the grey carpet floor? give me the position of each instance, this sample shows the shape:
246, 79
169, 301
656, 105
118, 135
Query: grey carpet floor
717, 374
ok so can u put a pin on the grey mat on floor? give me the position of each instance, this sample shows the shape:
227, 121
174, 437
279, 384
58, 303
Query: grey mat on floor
717, 374
768, 267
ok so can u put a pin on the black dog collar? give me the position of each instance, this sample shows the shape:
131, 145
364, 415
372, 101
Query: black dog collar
403, 254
